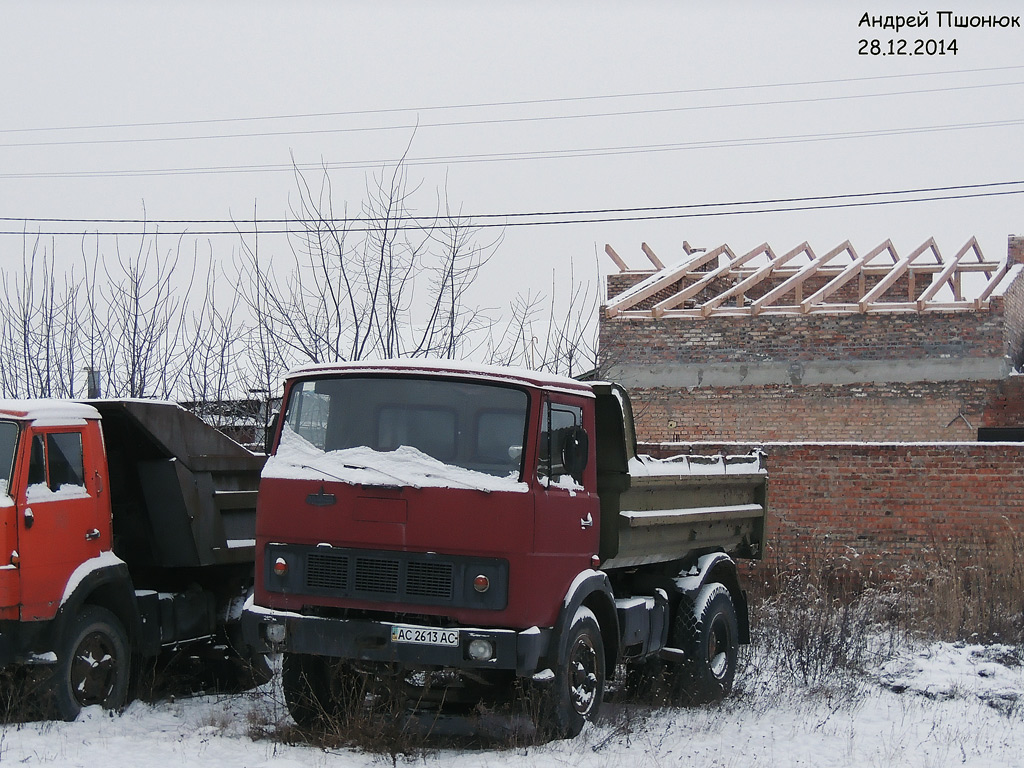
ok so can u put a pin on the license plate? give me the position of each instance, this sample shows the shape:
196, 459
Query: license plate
425, 636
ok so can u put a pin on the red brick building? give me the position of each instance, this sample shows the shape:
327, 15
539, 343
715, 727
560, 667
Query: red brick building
844, 347
864, 378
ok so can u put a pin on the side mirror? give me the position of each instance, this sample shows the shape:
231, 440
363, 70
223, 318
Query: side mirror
575, 453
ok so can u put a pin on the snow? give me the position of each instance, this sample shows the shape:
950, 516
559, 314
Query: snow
102, 560
298, 459
685, 464
42, 492
49, 412
936, 706
438, 367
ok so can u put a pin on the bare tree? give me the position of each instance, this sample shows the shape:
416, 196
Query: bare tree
556, 334
382, 283
40, 332
146, 300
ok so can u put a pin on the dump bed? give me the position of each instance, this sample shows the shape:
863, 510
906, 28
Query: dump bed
183, 494
668, 510
689, 505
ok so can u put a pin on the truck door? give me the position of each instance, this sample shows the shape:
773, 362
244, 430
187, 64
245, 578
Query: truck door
60, 525
566, 524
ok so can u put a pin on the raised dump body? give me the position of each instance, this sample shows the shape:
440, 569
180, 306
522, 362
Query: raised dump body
182, 493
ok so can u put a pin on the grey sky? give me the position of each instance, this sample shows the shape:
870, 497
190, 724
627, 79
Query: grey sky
127, 63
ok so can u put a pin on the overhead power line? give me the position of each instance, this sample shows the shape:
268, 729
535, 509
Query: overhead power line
512, 156
540, 218
496, 104
411, 126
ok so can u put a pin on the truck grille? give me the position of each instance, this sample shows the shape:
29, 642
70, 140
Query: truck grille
373, 575
401, 577
326, 572
330, 571
430, 580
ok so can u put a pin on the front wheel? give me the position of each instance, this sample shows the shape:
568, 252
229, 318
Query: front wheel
308, 691
93, 664
577, 690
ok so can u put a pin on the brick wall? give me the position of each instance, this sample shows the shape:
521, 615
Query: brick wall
871, 412
879, 507
794, 338
940, 378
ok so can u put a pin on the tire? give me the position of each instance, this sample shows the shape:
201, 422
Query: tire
93, 664
576, 693
710, 638
307, 690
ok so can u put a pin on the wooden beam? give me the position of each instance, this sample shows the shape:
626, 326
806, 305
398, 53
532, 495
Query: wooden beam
655, 283
707, 277
948, 274
897, 271
798, 279
759, 274
616, 258
652, 256
852, 271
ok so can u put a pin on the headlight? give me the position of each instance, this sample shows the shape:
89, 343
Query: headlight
480, 649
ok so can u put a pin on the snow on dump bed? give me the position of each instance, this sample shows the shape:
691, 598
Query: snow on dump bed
744, 464
299, 459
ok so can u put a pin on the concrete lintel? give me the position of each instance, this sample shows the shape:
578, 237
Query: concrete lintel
814, 372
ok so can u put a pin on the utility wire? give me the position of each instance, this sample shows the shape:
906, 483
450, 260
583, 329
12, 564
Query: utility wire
493, 104
492, 121
511, 156
439, 224
536, 214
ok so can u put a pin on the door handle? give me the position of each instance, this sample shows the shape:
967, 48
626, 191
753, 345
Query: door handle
587, 522
92, 535
29, 518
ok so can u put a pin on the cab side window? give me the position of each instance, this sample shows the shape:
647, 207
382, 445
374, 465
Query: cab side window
561, 435
57, 461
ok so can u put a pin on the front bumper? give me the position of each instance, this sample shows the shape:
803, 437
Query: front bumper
365, 640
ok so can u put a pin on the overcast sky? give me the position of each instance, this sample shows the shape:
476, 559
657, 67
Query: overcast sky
115, 108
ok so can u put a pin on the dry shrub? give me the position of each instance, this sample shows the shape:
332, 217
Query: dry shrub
822, 623
972, 590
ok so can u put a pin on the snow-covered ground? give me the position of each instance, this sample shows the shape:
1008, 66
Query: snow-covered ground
943, 705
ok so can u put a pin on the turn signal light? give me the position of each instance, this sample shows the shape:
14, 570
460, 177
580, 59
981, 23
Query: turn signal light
481, 583
280, 566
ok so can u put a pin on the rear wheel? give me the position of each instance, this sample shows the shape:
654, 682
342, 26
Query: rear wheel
93, 664
711, 641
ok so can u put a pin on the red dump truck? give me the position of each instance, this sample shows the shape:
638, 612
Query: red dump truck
126, 528
451, 529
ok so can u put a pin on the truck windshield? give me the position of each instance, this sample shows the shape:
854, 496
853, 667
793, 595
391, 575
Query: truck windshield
8, 446
479, 427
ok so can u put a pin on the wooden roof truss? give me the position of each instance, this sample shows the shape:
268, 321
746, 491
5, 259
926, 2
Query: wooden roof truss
719, 281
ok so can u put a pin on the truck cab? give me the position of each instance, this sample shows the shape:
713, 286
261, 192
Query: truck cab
54, 514
424, 520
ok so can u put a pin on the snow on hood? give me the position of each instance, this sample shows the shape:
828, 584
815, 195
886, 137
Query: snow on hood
298, 459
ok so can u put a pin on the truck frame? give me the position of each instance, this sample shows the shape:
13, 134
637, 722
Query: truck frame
456, 528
